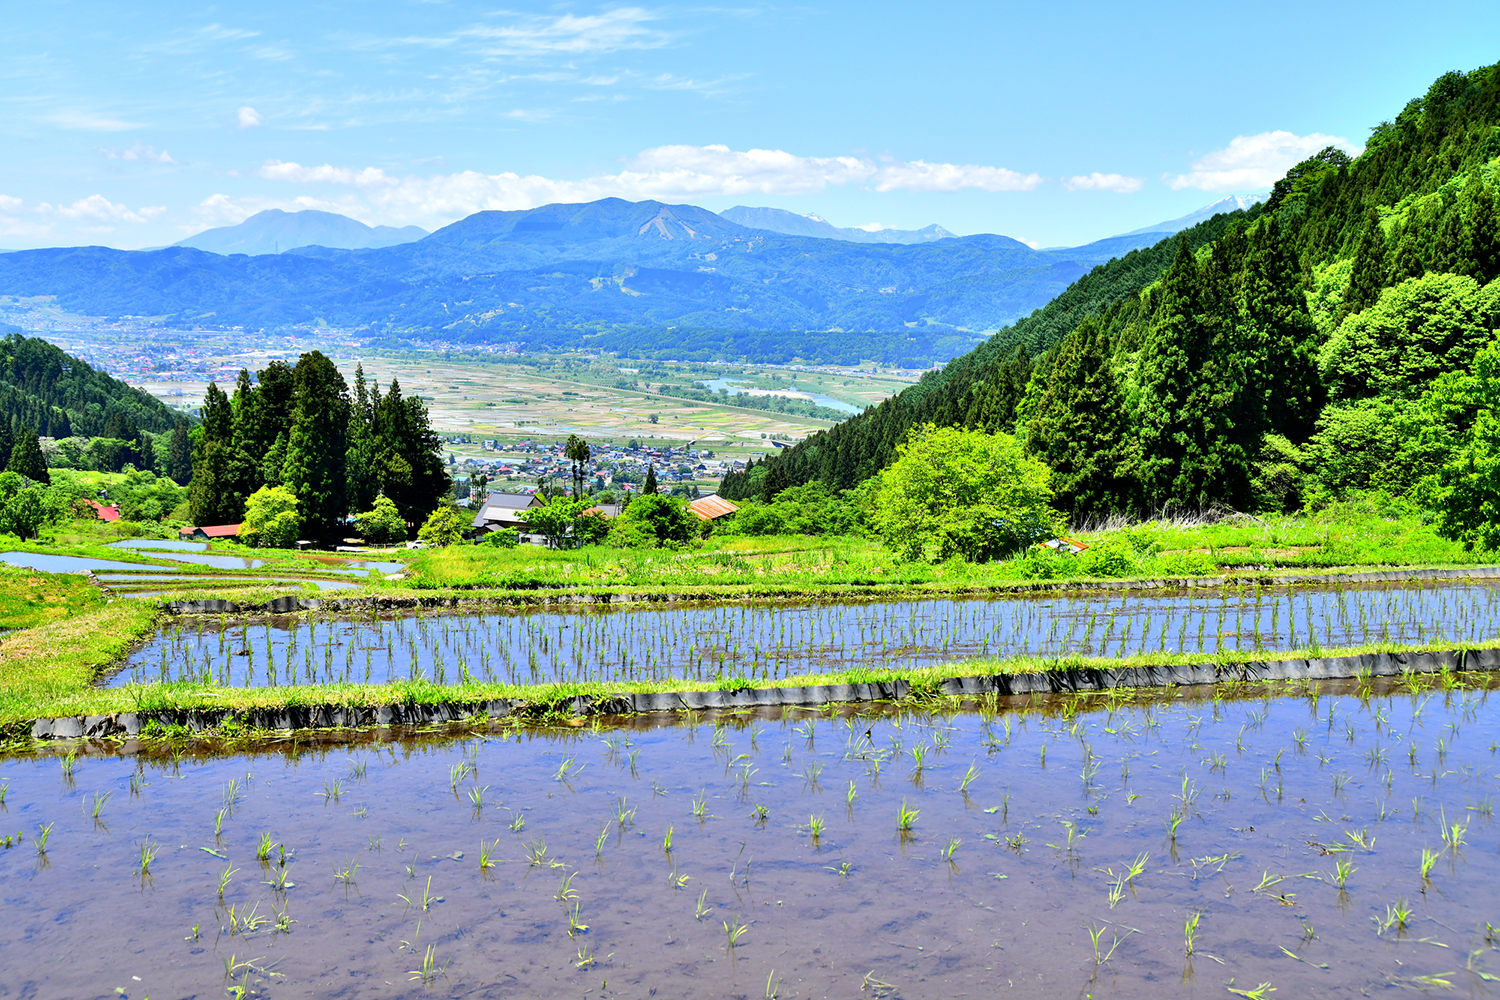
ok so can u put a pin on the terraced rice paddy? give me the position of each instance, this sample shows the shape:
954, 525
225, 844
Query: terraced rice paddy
1311, 841
772, 641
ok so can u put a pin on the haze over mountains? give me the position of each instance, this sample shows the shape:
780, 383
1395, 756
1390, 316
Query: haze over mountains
779, 220
643, 278
275, 231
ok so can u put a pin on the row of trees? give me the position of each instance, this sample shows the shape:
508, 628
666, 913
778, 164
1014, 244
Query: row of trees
299, 428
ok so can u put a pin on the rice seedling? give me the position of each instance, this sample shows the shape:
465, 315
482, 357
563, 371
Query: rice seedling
733, 932
536, 853
284, 920
703, 908
332, 791
1429, 858
1361, 839
517, 822
263, 849
1453, 834
877, 988
1397, 915
700, 806
624, 817
356, 769
348, 874
98, 805
1095, 933
666, 841
429, 970
565, 770
815, 828
968, 778
3, 790
280, 881
906, 818
1341, 872
476, 796
947, 852
425, 902
760, 813
224, 877
1190, 929
1261, 992
565, 892
576, 926
148, 854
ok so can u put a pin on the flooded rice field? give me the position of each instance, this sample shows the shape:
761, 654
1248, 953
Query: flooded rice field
768, 641
1325, 841
1312, 841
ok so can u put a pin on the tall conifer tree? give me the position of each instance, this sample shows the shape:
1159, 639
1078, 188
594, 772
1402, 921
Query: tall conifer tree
1368, 274
1079, 428
318, 445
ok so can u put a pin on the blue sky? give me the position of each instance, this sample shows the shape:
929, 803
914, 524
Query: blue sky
133, 125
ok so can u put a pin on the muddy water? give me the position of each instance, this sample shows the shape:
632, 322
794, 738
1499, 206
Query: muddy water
770, 641
1274, 793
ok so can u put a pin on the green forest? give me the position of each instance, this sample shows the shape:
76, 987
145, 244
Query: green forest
297, 444
1336, 340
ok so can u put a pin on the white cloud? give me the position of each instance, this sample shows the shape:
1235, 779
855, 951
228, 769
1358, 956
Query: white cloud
612, 31
1118, 183
99, 208
921, 176
7, 203
661, 172
250, 118
140, 151
89, 122
1255, 161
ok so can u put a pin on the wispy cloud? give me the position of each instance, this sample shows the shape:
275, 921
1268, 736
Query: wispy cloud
1118, 183
139, 151
96, 207
187, 42
1254, 161
612, 31
90, 122
250, 118
678, 171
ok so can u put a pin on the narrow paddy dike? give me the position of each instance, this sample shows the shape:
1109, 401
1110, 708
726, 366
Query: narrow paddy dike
1063, 680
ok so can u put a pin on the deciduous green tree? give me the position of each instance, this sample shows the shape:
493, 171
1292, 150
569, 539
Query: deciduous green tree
962, 493
272, 520
444, 526
382, 524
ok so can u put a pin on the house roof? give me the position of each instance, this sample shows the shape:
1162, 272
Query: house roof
514, 501
105, 513
711, 507
214, 530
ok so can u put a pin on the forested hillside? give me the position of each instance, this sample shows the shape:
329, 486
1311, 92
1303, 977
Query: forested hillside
53, 394
1311, 348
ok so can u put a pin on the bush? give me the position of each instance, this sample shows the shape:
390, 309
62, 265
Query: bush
271, 518
444, 526
382, 524
1185, 564
502, 538
1112, 557
967, 493
653, 519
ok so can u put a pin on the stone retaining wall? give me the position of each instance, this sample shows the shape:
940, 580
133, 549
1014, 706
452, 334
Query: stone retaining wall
621, 703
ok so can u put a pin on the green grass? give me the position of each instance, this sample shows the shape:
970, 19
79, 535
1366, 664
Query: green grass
29, 598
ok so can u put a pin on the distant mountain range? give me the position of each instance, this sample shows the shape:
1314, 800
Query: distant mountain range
642, 278
779, 220
275, 231
1232, 203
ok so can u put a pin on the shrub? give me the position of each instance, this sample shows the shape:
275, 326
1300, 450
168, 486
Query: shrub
967, 493
502, 538
1112, 557
444, 526
271, 518
382, 524
653, 519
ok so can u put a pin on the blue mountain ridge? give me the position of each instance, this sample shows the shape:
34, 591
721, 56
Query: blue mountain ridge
608, 274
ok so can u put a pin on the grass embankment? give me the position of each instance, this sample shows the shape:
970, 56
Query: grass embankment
48, 673
1338, 540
